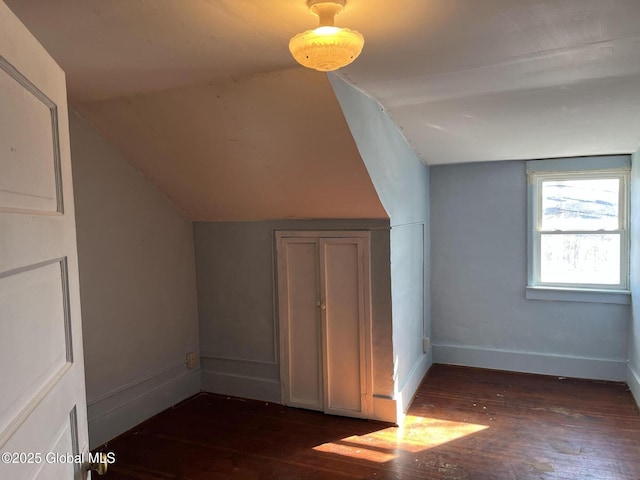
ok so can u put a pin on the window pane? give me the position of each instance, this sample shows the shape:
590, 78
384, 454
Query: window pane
580, 259
580, 204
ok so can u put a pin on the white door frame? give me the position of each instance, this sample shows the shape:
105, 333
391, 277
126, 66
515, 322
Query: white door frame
283, 317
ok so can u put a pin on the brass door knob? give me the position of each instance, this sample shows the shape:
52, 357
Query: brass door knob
100, 467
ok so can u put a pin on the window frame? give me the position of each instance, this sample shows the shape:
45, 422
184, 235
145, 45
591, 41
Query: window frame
539, 171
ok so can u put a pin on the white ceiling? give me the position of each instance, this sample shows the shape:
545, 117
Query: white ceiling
512, 79
465, 80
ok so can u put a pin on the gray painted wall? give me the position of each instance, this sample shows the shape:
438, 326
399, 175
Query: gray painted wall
633, 374
402, 183
138, 293
237, 304
479, 272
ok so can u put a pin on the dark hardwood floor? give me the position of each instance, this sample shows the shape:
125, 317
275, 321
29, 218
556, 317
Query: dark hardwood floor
464, 423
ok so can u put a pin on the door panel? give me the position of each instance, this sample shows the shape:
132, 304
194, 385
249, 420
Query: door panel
30, 169
33, 308
302, 336
343, 324
56, 443
42, 404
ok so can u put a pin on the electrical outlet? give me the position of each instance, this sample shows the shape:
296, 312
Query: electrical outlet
192, 360
426, 344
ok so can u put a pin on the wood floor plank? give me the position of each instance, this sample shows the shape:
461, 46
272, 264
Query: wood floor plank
464, 424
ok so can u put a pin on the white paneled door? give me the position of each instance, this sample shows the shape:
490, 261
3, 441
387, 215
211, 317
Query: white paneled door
325, 328
43, 419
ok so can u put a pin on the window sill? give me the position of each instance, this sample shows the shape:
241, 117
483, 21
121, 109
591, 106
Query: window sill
622, 297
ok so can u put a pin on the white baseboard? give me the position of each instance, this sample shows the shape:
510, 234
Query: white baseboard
114, 414
408, 390
241, 386
633, 380
545, 364
385, 409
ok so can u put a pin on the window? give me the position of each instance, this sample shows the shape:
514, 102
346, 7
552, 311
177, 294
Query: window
578, 224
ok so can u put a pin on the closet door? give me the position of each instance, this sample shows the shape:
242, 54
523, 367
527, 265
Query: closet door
325, 339
344, 339
299, 293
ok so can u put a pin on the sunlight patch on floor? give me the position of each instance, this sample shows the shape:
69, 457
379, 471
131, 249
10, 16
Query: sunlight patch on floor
355, 451
414, 435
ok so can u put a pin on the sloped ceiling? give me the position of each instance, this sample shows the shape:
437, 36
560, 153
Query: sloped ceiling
198, 98
511, 79
268, 146
465, 80
114, 48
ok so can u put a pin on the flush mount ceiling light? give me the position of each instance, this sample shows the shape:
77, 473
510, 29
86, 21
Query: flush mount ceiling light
327, 47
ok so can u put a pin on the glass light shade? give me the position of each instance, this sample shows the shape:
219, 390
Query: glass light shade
326, 48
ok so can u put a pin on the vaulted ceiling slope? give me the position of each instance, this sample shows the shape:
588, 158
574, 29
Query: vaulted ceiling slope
177, 87
511, 79
465, 80
115, 48
269, 146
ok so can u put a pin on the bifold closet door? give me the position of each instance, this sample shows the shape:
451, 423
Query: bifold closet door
342, 281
